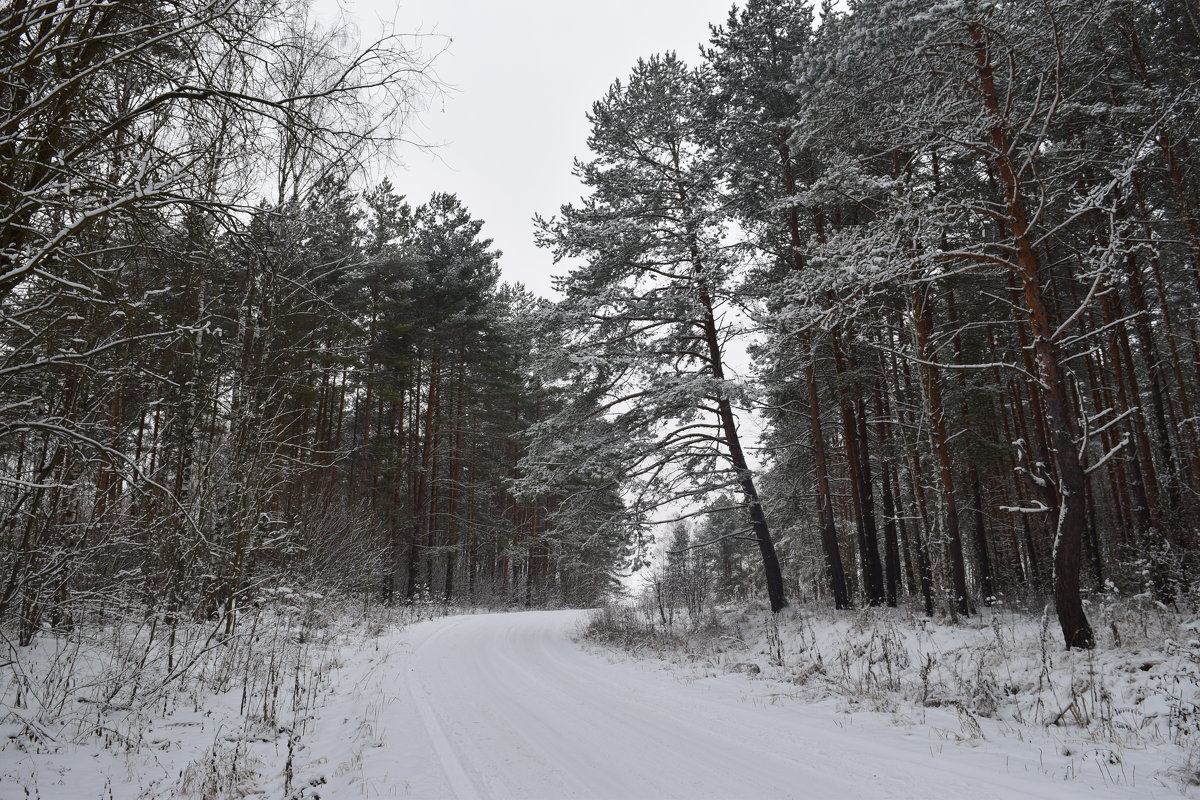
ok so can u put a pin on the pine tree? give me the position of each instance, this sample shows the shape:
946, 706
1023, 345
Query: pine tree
645, 319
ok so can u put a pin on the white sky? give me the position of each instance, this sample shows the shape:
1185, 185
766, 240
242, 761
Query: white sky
523, 74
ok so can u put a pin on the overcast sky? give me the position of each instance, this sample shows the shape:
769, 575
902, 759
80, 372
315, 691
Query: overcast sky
523, 74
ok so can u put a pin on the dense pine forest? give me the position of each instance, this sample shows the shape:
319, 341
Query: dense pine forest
893, 303
960, 243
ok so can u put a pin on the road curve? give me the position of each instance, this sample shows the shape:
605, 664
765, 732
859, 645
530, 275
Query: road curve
509, 706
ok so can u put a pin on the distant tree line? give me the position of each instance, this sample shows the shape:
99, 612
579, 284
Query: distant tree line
962, 244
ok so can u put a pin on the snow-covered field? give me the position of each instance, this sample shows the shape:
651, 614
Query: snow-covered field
381, 705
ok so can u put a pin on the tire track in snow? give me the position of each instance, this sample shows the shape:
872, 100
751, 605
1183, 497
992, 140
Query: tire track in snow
460, 782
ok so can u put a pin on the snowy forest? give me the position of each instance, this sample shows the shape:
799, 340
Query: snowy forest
223, 367
965, 249
887, 304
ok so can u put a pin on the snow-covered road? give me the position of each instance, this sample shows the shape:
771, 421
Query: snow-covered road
509, 706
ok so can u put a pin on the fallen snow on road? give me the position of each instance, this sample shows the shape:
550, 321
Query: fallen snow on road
508, 706
512, 706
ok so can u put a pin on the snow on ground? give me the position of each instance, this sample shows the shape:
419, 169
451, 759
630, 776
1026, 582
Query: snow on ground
138, 710
514, 706
1124, 718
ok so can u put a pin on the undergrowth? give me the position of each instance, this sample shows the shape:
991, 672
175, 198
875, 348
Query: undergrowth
256, 690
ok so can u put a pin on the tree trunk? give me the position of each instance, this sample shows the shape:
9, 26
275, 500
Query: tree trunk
758, 519
891, 547
1077, 632
834, 569
860, 489
825, 518
923, 321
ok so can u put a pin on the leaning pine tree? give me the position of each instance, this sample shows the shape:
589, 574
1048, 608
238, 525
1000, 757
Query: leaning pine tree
644, 318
